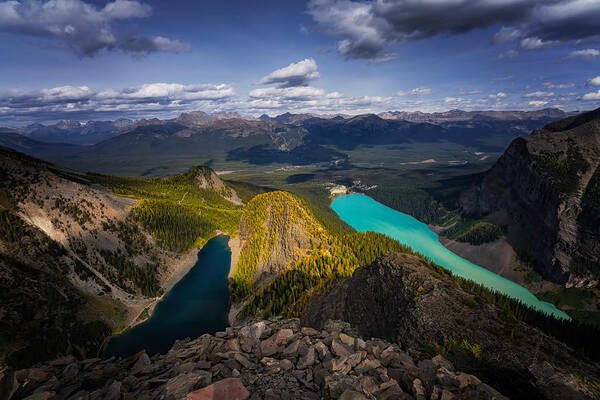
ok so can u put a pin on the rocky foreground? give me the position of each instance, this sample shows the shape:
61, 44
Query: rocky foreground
275, 359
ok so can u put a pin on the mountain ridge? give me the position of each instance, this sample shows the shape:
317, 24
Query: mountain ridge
66, 232
542, 186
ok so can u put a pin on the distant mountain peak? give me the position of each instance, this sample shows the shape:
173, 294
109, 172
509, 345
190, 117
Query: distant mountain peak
68, 124
201, 118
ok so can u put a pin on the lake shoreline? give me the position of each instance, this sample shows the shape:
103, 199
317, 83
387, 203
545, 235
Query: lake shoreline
190, 300
235, 245
182, 267
366, 214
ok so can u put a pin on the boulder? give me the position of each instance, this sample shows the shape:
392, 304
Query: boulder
226, 389
142, 365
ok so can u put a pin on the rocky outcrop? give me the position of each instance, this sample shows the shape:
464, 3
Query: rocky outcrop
276, 230
207, 179
274, 359
537, 188
403, 299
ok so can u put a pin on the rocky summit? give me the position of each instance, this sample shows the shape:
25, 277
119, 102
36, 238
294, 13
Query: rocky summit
266, 359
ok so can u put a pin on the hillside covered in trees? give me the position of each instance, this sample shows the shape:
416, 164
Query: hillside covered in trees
181, 211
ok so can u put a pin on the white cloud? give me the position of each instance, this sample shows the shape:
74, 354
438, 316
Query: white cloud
594, 81
295, 74
310, 99
507, 34
592, 96
551, 85
170, 46
125, 9
416, 92
534, 43
81, 26
585, 54
498, 95
537, 103
453, 100
293, 93
508, 54
179, 92
539, 94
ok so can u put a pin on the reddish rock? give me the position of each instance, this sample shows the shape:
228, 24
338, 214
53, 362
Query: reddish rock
282, 336
232, 345
61, 362
226, 389
39, 375
339, 349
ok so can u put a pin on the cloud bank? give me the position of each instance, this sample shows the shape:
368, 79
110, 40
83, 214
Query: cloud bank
366, 29
83, 102
82, 27
585, 54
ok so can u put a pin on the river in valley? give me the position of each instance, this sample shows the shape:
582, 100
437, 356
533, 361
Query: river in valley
196, 305
365, 214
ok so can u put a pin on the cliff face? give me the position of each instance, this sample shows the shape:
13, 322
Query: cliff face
402, 298
542, 189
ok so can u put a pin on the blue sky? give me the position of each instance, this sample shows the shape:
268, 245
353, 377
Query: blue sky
83, 60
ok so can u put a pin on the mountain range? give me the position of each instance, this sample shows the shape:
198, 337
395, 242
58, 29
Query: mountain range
146, 146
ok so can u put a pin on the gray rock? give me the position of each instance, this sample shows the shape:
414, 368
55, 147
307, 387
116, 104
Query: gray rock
336, 384
181, 385
321, 349
71, 371
352, 395
292, 348
142, 365
243, 360
113, 392
308, 359
440, 361
339, 349
268, 347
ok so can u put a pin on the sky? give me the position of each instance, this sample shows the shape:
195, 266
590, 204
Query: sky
84, 59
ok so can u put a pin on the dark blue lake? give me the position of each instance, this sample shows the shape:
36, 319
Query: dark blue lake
197, 304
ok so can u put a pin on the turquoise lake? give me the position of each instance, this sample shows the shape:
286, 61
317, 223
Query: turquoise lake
196, 305
365, 214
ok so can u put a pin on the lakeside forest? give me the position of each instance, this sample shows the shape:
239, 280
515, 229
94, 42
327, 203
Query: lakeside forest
170, 222
181, 216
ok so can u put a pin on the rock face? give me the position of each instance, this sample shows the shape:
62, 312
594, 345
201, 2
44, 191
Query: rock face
303, 364
207, 179
545, 189
400, 299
